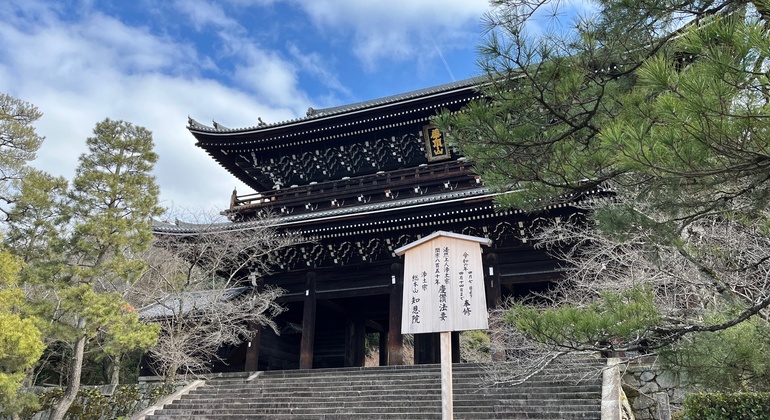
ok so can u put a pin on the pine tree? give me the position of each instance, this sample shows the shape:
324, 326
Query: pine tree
665, 104
81, 246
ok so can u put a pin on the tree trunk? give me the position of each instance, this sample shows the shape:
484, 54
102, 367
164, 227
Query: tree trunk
60, 410
115, 370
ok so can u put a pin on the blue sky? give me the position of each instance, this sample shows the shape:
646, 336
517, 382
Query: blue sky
154, 62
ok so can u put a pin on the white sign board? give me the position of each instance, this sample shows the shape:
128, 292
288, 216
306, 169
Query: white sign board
443, 284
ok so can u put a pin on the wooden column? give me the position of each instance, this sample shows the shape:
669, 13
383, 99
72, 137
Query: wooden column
383, 349
419, 349
308, 324
455, 347
359, 341
492, 279
395, 339
252, 349
355, 342
494, 298
427, 348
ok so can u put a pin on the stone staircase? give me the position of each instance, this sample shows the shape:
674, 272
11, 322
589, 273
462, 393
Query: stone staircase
564, 390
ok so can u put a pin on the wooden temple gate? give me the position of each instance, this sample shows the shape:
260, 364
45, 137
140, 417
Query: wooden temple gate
361, 181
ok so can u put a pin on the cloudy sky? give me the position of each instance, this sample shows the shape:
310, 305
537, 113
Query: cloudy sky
154, 63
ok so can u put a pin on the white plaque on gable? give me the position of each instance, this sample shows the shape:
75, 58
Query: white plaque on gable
443, 284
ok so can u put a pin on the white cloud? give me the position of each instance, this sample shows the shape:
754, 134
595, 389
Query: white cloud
203, 13
80, 71
317, 66
263, 72
399, 30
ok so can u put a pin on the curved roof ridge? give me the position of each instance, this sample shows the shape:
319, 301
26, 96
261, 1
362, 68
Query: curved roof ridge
397, 97
325, 112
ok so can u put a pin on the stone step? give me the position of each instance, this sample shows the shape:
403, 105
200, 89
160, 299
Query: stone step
562, 391
410, 380
592, 415
309, 391
379, 402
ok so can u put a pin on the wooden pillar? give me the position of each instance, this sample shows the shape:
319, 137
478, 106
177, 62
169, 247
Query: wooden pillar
419, 349
252, 349
359, 341
435, 348
383, 348
395, 340
494, 299
427, 348
355, 342
492, 278
456, 347
308, 324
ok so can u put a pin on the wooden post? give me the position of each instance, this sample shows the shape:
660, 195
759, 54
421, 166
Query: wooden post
355, 342
419, 349
308, 324
492, 278
455, 347
359, 341
395, 339
252, 351
447, 405
350, 345
494, 293
383, 349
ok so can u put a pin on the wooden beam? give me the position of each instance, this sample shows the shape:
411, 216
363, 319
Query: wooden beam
374, 325
308, 323
333, 306
395, 339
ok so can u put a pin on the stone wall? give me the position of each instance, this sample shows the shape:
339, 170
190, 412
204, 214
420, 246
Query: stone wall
652, 393
105, 401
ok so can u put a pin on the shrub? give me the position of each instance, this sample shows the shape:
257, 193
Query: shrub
735, 406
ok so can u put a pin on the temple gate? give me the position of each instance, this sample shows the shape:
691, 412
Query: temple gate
362, 180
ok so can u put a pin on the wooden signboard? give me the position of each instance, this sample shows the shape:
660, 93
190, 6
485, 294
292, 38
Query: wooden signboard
443, 284
444, 292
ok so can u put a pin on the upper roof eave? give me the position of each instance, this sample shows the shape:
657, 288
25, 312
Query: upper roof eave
319, 114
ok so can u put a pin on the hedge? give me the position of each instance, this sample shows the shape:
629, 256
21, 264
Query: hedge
734, 406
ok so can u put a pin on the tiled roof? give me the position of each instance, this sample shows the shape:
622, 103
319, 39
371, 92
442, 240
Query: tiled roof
181, 228
187, 302
325, 112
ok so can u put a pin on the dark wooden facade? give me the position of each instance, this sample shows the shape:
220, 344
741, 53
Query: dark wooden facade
363, 180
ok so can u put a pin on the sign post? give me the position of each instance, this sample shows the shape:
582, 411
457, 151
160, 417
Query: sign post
444, 292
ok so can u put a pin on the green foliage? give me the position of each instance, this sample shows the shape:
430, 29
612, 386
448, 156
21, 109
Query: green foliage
20, 340
735, 359
475, 346
614, 317
80, 245
733, 406
92, 404
666, 105
18, 143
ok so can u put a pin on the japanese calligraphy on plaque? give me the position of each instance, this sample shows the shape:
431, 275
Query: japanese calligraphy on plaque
444, 288
435, 143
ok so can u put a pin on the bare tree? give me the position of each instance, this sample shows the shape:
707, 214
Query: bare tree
705, 274
201, 287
